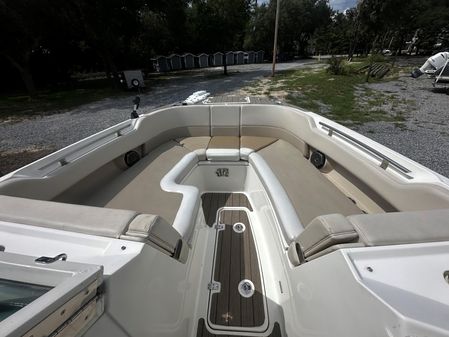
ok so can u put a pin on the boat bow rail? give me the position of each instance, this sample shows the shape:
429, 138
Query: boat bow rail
385, 160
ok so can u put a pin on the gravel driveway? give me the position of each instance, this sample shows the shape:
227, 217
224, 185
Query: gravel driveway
28, 140
424, 134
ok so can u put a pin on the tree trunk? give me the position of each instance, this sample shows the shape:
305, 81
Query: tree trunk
25, 73
28, 80
112, 70
373, 45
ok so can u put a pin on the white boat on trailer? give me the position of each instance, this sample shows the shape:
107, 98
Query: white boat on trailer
224, 218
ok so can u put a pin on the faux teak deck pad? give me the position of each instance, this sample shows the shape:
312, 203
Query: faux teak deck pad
236, 260
214, 201
203, 332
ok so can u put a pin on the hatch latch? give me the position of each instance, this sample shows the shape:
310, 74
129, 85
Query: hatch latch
214, 286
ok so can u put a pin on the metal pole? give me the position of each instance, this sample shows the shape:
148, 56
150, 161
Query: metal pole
276, 26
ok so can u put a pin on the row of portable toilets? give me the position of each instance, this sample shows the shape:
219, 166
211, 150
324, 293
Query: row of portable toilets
190, 61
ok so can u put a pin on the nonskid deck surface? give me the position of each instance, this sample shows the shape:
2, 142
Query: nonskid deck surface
235, 261
203, 332
212, 202
138, 187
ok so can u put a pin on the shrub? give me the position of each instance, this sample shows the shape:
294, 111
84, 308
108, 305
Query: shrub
336, 66
376, 58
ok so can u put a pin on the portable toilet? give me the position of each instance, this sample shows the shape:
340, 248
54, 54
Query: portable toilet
229, 58
153, 65
175, 62
162, 64
218, 59
239, 57
251, 57
202, 60
260, 56
188, 61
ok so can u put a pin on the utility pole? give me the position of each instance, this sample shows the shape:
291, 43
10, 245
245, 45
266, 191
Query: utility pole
276, 26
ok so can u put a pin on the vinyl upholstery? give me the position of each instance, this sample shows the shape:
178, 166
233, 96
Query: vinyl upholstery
310, 193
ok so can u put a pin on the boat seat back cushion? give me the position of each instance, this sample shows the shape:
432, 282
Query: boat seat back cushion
138, 188
76, 218
196, 144
223, 148
225, 120
250, 144
402, 227
326, 231
153, 228
331, 232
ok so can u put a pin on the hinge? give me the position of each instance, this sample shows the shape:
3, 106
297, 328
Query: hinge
214, 286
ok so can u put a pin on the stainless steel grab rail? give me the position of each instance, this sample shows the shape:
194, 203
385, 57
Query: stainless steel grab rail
386, 161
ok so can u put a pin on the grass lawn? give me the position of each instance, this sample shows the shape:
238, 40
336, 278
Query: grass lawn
51, 101
344, 98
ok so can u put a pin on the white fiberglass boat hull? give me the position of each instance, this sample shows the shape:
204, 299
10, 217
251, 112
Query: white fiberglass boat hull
240, 219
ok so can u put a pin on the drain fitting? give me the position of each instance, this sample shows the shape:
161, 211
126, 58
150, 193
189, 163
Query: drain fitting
239, 227
246, 288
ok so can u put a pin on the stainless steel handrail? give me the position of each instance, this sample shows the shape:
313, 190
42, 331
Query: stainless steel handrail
105, 138
386, 161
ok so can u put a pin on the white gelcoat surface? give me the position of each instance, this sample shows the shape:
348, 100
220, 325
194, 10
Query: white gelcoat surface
90, 249
151, 294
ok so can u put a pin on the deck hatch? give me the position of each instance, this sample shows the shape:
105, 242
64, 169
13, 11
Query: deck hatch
212, 202
240, 303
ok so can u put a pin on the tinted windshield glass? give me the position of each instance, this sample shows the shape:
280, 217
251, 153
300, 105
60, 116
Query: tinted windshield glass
16, 295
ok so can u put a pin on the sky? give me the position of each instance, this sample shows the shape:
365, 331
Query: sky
338, 5
341, 5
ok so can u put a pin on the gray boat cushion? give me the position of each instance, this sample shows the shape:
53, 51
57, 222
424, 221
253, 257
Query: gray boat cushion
309, 191
294, 254
196, 144
402, 227
223, 154
256, 143
335, 248
224, 142
223, 148
325, 231
76, 218
153, 228
225, 120
138, 188
329, 233
249, 144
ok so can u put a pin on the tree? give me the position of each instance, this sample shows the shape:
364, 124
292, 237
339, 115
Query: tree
298, 21
218, 25
260, 29
22, 27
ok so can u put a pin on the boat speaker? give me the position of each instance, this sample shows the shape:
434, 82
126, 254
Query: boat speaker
131, 158
318, 159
